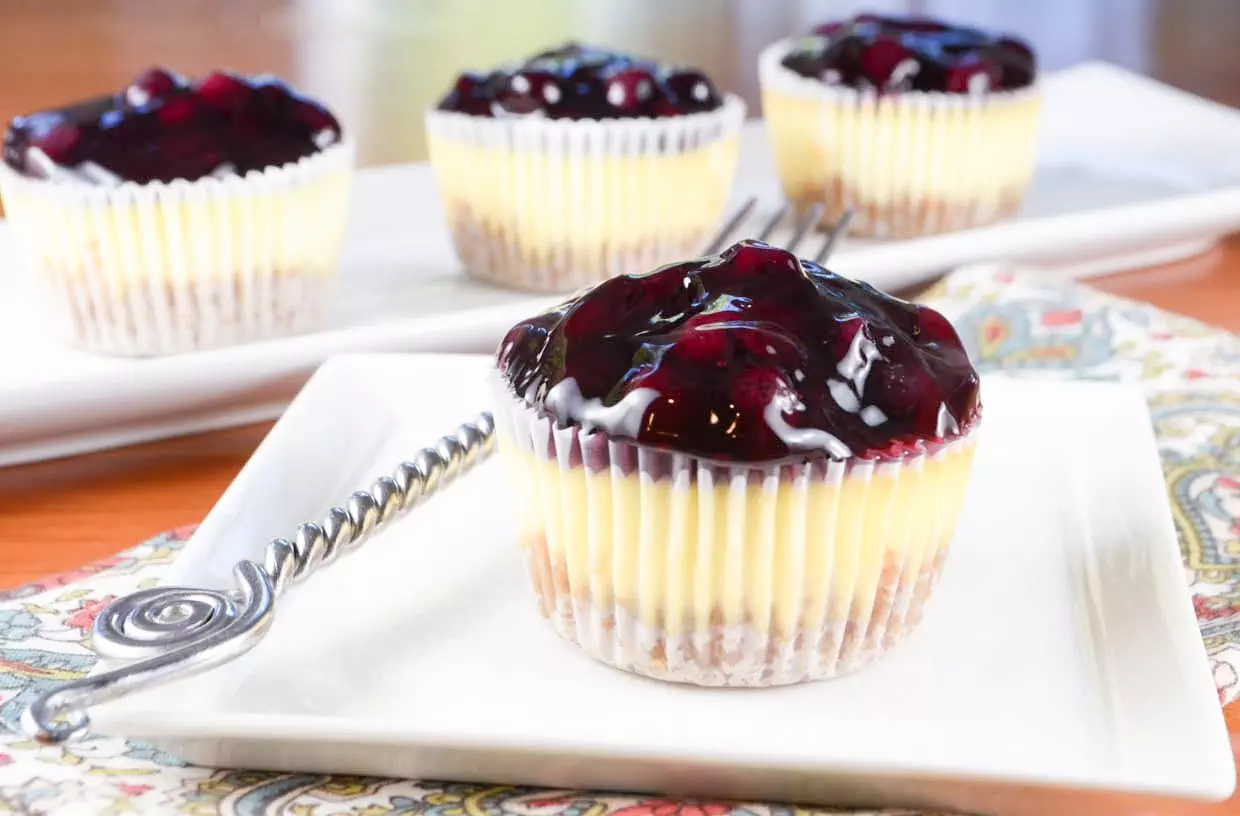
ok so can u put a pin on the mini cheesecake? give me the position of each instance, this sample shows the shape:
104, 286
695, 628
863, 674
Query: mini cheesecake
739, 470
179, 214
919, 126
577, 164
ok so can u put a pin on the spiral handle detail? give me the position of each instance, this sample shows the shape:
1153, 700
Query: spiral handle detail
171, 632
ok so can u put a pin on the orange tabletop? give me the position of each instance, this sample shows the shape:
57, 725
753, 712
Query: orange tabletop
379, 65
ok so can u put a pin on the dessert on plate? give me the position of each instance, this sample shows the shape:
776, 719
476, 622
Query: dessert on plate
578, 164
177, 214
741, 470
919, 125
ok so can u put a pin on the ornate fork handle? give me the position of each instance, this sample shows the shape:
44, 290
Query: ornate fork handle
172, 632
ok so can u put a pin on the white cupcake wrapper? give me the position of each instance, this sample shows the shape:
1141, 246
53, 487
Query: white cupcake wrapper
163, 268
554, 205
908, 164
735, 575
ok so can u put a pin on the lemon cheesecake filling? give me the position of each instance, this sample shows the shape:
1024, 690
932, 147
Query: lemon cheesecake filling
739, 470
912, 165
542, 201
578, 163
795, 552
291, 226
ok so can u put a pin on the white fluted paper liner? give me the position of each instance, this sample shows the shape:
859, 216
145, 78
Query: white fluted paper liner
555, 205
163, 268
908, 164
673, 567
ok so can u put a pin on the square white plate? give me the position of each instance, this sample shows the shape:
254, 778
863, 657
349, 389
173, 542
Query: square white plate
1130, 173
1060, 648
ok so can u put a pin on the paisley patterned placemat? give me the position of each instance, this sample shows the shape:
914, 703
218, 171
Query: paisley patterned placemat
1191, 374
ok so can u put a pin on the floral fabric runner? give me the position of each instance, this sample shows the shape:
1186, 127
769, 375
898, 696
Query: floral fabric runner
1011, 322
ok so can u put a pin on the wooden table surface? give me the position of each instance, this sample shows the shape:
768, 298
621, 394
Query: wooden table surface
380, 64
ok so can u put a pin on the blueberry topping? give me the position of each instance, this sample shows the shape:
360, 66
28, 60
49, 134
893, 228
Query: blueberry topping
751, 355
163, 127
580, 82
897, 54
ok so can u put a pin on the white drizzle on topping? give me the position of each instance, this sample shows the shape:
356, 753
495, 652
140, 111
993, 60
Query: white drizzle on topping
566, 403
801, 438
856, 364
888, 340
945, 423
873, 416
136, 96
843, 396
854, 367
86, 172
95, 174
905, 69
324, 138
615, 95
47, 168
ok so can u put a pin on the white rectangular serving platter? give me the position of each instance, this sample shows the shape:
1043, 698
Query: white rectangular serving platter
1130, 173
1060, 648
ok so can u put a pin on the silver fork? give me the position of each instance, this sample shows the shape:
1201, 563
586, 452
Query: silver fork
800, 229
165, 633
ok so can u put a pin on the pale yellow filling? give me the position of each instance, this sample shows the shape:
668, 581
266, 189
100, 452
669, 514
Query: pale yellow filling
885, 149
542, 201
794, 553
191, 233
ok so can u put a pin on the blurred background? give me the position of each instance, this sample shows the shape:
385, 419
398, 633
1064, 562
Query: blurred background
379, 63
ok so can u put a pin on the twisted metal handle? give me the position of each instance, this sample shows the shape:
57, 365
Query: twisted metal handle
172, 632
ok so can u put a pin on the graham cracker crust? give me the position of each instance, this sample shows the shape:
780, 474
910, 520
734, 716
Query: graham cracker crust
738, 653
496, 256
905, 218
160, 317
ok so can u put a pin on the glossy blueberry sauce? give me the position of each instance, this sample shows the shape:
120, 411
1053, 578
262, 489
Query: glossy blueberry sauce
896, 54
580, 82
163, 127
747, 356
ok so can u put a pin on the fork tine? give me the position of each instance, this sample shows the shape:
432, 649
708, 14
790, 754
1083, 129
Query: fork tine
838, 229
765, 234
728, 228
806, 223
